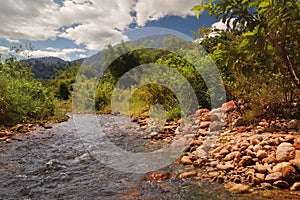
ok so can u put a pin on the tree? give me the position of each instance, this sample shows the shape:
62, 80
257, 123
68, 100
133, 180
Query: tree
272, 26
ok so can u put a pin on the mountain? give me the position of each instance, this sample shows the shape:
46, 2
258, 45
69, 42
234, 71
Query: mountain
46, 67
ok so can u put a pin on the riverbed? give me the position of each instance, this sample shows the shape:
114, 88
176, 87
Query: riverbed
58, 164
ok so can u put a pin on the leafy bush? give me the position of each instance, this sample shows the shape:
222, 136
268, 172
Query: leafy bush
22, 99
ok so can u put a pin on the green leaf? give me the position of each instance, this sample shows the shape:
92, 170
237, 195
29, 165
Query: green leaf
249, 34
264, 4
196, 8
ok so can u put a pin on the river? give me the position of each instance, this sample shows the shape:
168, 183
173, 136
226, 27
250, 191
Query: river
54, 164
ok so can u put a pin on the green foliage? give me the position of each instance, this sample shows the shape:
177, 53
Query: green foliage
22, 98
143, 98
261, 51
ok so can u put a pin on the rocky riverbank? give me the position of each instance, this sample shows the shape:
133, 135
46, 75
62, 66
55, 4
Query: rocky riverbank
245, 158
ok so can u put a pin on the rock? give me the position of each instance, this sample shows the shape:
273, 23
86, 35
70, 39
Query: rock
261, 154
8, 140
242, 129
257, 147
281, 184
225, 167
278, 167
224, 152
188, 175
216, 126
240, 188
295, 186
289, 174
261, 168
206, 117
204, 124
276, 176
254, 138
261, 177
250, 153
292, 125
285, 152
246, 161
270, 159
266, 186
296, 163
4, 138
186, 160
239, 122
157, 176
232, 155
181, 142
229, 106
201, 112
153, 134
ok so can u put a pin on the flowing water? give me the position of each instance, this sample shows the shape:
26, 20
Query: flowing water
54, 164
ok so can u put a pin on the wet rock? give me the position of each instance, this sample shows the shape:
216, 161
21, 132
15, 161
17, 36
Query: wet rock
285, 152
157, 176
4, 138
295, 186
281, 184
188, 175
8, 140
239, 188
276, 176
261, 154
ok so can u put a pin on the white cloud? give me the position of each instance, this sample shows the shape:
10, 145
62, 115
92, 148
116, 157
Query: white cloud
30, 19
222, 26
63, 54
87, 22
149, 10
4, 50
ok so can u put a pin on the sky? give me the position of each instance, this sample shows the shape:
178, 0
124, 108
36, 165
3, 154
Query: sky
73, 29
